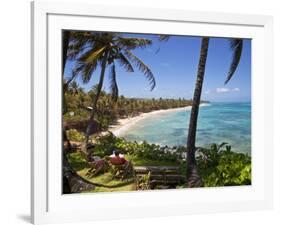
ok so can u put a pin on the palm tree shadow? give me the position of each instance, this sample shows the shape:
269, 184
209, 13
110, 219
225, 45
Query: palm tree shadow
118, 185
25, 218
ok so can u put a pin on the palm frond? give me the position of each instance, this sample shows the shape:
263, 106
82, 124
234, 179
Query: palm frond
113, 83
142, 67
133, 43
123, 61
236, 46
163, 37
78, 67
75, 51
80, 35
73, 76
81, 40
78, 41
92, 55
74, 85
86, 70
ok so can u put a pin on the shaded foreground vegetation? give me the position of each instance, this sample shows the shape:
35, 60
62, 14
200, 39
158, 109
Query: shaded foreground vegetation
217, 165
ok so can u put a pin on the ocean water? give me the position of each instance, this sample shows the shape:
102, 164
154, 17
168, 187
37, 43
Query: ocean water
217, 123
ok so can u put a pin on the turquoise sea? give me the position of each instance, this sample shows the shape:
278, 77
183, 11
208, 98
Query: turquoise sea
217, 123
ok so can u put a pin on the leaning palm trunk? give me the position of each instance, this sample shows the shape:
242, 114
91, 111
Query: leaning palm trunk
95, 101
193, 178
72, 182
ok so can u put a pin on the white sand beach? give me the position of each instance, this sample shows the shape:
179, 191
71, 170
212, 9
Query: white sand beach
126, 123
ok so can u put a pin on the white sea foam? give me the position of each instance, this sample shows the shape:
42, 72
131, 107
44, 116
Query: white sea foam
205, 104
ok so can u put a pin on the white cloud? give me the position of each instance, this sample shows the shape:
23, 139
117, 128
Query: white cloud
222, 90
225, 90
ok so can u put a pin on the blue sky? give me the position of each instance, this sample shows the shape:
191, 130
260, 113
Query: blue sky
174, 65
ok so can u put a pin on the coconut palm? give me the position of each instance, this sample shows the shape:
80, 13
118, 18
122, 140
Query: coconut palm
92, 49
106, 50
74, 87
72, 182
236, 46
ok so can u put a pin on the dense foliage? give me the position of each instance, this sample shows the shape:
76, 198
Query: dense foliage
74, 135
144, 150
218, 165
78, 103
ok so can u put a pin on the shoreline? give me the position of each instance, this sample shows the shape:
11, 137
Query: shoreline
124, 124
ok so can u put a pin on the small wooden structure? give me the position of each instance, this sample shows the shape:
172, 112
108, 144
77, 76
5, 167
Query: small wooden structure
160, 177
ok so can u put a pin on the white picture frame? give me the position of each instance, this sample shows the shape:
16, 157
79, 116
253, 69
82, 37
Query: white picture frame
49, 205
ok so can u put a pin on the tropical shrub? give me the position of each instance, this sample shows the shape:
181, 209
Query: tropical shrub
219, 166
74, 135
78, 101
144, 150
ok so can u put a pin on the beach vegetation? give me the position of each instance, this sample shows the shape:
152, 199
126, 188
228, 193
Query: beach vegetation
108, 112
104, 49
217, 165
89, 116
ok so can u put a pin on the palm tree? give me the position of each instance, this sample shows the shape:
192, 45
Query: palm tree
107, 49
93, 49
74, 87
236, 45
72, 182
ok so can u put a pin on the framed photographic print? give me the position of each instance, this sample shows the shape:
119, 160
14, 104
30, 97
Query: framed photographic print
142, 112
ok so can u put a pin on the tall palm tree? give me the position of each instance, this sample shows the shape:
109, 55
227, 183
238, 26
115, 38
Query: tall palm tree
107, 49
236, 45
72, 182
93, 49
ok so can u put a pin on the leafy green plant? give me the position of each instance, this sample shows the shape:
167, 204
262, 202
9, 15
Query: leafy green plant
74, 135
219, 166
144, 150
144, 182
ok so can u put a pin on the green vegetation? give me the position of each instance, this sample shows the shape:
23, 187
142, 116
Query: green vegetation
108, 184
108, 111
104, 50
220, 166
217, 165
88, 113
74, 135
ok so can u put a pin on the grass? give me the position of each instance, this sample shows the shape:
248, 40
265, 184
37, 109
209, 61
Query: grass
111, 184
79, 164
217, 165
